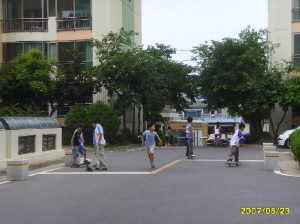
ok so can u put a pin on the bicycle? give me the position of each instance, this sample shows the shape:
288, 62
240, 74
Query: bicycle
218, 140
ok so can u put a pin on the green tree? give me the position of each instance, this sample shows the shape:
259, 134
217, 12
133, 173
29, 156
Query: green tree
234, 73
29, 80
108, 119
76, 83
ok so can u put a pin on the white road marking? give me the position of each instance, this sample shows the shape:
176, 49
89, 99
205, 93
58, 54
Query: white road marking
94, 173
280, 173
220, 160
4, 182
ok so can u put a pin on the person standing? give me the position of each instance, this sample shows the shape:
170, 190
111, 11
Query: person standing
235, 144
168, 135
217, 130
150, 136
189, 136
77, 145
99, 142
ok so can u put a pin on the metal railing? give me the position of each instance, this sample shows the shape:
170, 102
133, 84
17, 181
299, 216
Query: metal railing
67, 64
74, 23
24, 25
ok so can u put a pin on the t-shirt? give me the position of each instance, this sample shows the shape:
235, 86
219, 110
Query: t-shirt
236, 138
76, 137
217, 130
188, 130
97, 131
150, 138
168, 132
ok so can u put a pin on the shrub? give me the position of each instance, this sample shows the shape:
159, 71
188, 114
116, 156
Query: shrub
108, 119
295, 144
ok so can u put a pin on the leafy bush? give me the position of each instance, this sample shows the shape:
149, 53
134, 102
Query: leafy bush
106, 114
295, 144
16, 110
174, 136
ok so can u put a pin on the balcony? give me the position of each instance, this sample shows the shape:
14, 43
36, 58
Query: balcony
24, 25
296, 14
74, 23
67, 64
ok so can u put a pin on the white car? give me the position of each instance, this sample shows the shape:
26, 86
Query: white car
283, 139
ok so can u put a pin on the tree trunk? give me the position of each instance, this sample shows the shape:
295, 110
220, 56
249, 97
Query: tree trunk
133, 120
52, 109
124, 123
139, 119
275, 131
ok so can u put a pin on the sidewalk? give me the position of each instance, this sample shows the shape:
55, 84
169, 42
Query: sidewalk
288, 165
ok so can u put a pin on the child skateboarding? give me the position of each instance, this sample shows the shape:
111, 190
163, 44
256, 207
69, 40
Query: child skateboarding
235, 144
77, 145
150, 136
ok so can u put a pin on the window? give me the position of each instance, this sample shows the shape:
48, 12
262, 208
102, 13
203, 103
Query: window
14, 9
49, 142
65, 8
82, 46
52, 10
32, 9
11, 50
205, 111
29, 46
296, 10
297, 49
26, 144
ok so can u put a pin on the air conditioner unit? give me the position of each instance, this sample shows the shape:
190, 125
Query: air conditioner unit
212, 116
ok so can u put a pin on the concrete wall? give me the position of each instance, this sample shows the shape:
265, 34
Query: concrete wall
280, 27
2, 148
11, 140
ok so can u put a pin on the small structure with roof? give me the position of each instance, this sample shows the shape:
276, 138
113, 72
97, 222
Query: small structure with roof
38, 139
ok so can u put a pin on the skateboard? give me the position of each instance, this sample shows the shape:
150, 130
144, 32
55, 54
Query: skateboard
85, 163
191, 156
233, 163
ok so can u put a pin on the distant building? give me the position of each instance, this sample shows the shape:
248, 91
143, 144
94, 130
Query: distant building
198, 111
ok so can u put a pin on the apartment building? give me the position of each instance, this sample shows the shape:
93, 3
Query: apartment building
284, 28
51, 25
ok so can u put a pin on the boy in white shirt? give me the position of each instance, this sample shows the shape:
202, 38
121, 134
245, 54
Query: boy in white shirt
235, 144
99, 141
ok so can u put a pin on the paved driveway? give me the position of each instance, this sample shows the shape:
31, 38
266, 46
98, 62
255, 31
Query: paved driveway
203, 190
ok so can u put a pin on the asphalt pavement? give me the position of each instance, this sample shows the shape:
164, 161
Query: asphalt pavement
178, 190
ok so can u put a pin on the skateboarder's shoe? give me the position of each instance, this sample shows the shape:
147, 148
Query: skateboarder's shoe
152, 165
88, 168
86, 162
95, 165
74, 166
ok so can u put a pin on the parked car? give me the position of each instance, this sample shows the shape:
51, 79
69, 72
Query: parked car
210, 140
283, 139
225, 141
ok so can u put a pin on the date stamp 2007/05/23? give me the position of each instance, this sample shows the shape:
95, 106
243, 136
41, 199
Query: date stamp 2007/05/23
265, 210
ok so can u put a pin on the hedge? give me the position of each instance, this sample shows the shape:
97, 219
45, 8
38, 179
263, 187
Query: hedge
294, 141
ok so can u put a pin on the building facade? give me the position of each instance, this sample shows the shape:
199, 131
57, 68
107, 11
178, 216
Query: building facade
284, 29
52, 25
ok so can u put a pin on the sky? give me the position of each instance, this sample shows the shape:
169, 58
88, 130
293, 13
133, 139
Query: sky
183, 24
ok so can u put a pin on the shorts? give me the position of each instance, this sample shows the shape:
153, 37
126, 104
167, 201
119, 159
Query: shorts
150, 149
78, 149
